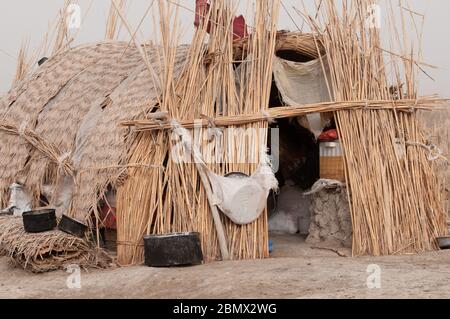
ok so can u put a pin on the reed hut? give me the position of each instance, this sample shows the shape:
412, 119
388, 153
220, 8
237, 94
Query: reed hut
101, 117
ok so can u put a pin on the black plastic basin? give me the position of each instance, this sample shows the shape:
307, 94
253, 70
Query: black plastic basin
38, 221
178, 249
443, 242
72, 226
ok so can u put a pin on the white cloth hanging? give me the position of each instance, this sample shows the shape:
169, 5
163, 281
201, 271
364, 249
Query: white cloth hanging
304, 83
242, 199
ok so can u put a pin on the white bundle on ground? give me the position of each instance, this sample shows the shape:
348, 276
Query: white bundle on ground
293, 214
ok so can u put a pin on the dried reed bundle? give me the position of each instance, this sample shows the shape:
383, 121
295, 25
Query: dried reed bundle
139, 200
175, 198
396, 197
251, 96
47, 251
437, 124
305, 43
113, 25
289, 112
44, 147
23, 63
62, 37
57, 35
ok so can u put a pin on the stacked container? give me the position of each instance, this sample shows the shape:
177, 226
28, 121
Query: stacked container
332, 161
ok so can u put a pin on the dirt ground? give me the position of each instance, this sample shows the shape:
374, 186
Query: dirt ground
294, 271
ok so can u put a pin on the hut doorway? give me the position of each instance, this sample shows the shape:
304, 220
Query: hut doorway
298, 169
299, 150
309, 150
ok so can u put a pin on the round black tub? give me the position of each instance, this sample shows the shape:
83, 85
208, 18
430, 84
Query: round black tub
443, 242
72, 226
178, 249
38, 221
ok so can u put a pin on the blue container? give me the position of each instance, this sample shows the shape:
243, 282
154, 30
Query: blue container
270, 246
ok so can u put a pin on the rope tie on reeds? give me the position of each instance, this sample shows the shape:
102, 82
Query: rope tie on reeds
269, 118
22, 128
129, 243
213, 131
412, 109
63, 159
47, 148
64, 163
211, 122
434, 152
124, 167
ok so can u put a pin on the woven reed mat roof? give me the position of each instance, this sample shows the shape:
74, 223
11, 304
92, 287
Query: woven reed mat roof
75, 101
47, 251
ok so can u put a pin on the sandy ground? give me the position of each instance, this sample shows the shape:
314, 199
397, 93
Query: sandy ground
295, 271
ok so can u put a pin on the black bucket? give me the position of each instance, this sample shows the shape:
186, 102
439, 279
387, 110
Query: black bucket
72, 226
38, 221
443, 242
179, 249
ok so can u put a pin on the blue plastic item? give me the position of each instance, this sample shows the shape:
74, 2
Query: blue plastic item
270, 246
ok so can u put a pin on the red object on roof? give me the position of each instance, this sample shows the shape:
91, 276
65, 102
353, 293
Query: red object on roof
328, 136
239, 27
202, 8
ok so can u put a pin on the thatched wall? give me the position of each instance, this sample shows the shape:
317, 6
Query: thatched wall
75, 101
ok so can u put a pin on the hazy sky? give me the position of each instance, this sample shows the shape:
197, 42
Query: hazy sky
29, 19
